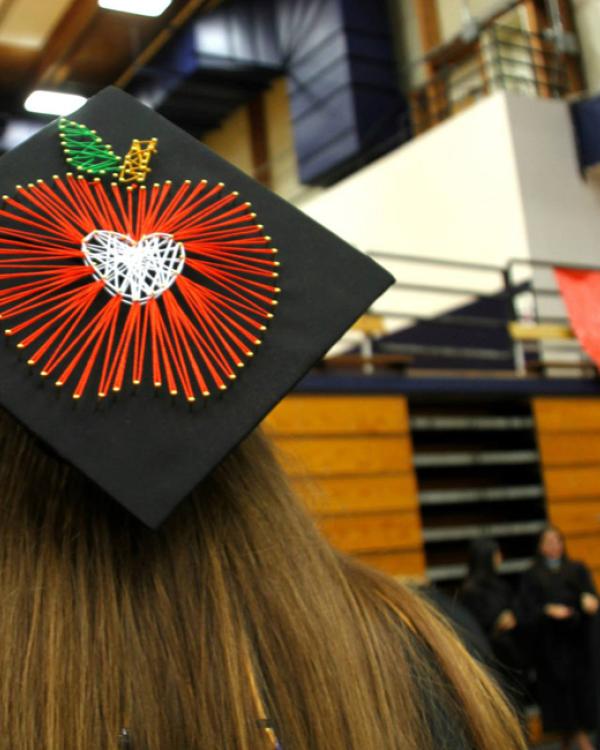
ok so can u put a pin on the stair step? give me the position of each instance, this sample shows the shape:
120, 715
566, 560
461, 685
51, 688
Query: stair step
475, 458
437, 573
459, 533
470, 423
481, 494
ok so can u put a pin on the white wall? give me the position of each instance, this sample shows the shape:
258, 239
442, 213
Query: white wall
499, 181
587, 14
562, 210
451, 193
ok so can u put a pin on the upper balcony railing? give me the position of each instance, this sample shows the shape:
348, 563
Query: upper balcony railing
494, 322
500, 58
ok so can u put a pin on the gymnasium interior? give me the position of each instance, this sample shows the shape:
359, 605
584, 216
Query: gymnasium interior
456, 142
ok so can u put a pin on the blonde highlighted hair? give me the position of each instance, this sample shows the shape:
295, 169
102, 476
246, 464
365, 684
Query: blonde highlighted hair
235, 607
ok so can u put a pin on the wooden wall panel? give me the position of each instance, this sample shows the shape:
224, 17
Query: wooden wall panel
366, 532
409, 564
350, 459
357, 494
354, 455
569, 443
576, 516
570, 449
564, 483
339, 415
586, 548
567, 414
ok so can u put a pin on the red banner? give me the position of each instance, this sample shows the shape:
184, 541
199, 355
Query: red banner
580, 291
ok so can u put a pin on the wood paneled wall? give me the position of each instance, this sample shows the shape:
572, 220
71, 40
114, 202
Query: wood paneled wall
569, 442
350, 458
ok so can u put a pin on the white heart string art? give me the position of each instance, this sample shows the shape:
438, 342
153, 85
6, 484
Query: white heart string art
136, 271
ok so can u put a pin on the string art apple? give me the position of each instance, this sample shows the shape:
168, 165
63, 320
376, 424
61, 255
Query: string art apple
106, 283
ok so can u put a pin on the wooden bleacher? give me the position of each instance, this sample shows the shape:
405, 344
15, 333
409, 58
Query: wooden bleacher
569, 442
350, 457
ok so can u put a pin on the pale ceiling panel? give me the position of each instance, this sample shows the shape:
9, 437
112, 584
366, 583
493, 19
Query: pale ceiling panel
28, 23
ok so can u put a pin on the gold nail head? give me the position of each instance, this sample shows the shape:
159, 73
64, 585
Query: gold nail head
44, 374
157, 384
187, 182
263, 328
116, 388
206, 393
173, 393
101, 394
222, 387
5, 197
249, 354
8, 331
257, 342
76, 395
232, 376
221, 184
191, 399
239, 364
31, 361
137, 382
59, 383
274, 250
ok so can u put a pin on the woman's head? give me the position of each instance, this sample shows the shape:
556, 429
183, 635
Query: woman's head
234, 609
551, 544
484, 558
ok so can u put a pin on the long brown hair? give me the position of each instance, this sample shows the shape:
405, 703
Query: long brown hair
235, 608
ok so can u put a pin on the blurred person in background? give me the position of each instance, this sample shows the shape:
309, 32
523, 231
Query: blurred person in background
558, 604
490, 599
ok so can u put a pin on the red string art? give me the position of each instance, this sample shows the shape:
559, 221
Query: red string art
113, 284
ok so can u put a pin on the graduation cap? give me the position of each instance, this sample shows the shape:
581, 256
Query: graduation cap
157, 302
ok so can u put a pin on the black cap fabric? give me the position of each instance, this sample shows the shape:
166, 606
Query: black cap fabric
153, 317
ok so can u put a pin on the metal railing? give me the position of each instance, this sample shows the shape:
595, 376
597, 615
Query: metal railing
501, 58
474, 323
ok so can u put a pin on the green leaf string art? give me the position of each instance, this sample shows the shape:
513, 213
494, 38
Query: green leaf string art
85, 150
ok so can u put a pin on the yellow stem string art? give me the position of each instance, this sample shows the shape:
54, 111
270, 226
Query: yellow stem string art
135, 165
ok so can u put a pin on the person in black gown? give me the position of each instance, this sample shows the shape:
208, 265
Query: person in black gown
490, 599
557, 604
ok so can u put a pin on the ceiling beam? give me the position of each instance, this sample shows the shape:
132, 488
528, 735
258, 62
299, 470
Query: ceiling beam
50, 69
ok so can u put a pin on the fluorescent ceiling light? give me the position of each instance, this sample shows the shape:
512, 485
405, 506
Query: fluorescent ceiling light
53, 102
139, 7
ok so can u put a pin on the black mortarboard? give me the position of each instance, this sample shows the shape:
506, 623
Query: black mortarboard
157, 300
